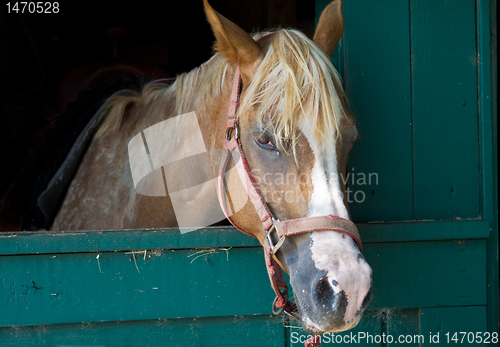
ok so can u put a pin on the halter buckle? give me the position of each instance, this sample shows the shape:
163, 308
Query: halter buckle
274, 247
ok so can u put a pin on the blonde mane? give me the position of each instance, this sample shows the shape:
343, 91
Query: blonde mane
294, 82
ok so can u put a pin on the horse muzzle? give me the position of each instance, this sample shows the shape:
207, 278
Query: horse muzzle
331, 280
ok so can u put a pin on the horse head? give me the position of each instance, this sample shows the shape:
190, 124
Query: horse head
296, 133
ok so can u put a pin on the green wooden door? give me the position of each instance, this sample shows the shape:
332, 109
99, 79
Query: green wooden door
418, 74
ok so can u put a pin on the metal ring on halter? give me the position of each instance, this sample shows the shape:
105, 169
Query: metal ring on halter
282, 308
230, 131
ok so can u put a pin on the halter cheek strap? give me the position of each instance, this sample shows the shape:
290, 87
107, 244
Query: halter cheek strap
233, 148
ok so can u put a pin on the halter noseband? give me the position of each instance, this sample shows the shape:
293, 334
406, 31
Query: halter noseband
232, 145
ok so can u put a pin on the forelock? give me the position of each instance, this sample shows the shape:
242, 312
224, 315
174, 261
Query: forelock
295, 81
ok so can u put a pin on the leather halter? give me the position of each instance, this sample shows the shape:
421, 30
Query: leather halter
232, 147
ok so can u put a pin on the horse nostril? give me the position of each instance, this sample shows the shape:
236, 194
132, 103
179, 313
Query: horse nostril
323, 292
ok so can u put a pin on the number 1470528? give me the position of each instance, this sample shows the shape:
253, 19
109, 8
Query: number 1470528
32, 7
470, 337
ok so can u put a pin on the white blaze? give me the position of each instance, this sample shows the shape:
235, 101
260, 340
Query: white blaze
326, 197
334, 252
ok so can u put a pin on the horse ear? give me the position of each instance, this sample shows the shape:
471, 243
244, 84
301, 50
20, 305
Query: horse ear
233, 43
330, 27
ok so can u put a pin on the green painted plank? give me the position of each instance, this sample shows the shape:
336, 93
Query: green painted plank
79, 287
70, 288
486, 84
362, 335
376, 71
437, 322
427, 274
424, 231
124, 240
444, 107
486, 41
116, 240
249, 331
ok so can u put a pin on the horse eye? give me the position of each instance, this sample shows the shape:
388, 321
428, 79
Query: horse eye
264, 142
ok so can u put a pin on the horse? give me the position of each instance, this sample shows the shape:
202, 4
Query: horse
295, 130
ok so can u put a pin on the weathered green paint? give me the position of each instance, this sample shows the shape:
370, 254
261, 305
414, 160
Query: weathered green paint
453, 168
124, 240
428, 274
112, 240
454, 320
444, 109
424, 231
487, 90
376, 73
238, 331
112, 286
